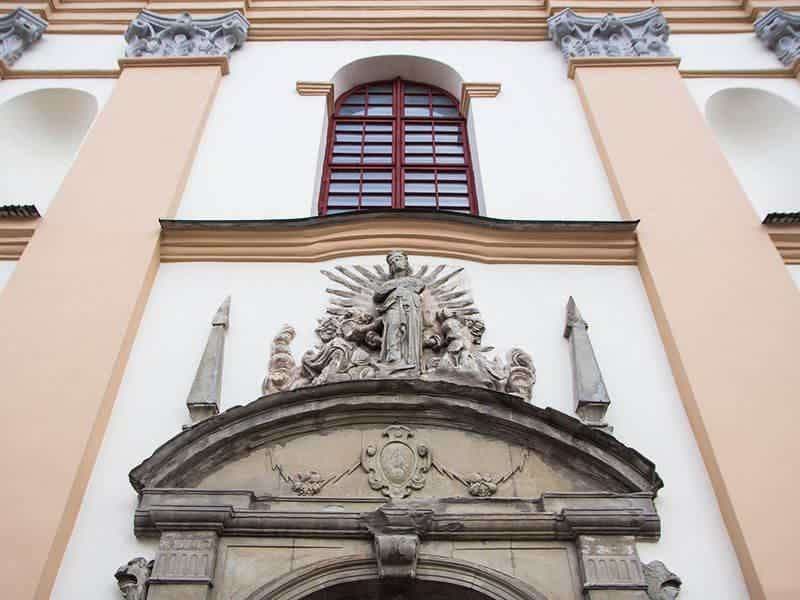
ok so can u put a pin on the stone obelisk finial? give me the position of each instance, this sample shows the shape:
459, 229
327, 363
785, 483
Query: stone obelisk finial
203, 399
591, 396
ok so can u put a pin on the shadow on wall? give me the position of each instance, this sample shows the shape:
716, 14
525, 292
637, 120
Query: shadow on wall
758, 132
40, 133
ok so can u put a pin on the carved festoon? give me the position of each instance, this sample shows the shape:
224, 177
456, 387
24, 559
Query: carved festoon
589, 389
18, 30
641, 34
398, 463
133, 578
281, 362
403, 323
482, 485
780, 32
662, 584
151, 34
204, 396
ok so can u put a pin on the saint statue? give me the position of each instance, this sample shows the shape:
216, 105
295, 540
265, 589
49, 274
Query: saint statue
398, 301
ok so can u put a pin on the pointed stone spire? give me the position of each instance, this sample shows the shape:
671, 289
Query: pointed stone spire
203, 399
591, 396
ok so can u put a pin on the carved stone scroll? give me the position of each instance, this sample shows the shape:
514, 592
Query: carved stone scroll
398, 463
133, 578
405, 323
151, 34
780, 32
204, 397
641, 34
662, 584
397, 531
589, 389
18, 29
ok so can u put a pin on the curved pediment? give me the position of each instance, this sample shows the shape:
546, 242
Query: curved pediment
379, 439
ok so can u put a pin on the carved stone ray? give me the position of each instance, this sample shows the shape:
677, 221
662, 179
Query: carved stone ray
204, 397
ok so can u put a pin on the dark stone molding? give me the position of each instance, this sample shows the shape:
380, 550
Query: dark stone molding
320, 575
782, 218
389, 215
186, 458
19, 211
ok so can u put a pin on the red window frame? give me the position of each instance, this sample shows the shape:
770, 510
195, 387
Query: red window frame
398, 166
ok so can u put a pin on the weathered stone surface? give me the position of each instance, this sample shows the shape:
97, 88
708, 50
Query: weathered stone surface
589, 389
662, 584
18, 30
151, 34
410, 324
780, 32
610, 563
641, 34
204, 397
185, 557
133, 578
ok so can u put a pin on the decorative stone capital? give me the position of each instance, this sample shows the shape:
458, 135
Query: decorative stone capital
18, 30
780, 32
641, 34
185, 557
151, 34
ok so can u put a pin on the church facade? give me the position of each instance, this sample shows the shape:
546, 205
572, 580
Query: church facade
334, 300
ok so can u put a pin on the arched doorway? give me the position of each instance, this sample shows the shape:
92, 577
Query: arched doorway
412, 590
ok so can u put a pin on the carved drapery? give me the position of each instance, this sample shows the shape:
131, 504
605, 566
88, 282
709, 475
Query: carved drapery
780, 32
151, 34
641, 34
18, 30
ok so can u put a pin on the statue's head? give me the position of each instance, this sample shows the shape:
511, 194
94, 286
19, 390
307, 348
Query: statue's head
398, 262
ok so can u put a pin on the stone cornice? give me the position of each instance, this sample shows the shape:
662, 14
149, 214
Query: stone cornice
477, 90
620, 61
176, 61
433, 233
275, 20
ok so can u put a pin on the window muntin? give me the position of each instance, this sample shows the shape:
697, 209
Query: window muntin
397, 144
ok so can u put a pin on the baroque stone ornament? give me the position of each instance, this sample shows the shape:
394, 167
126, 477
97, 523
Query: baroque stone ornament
641, 34
18, 30
662, 584
185, 557
780, 32
133, 577
204, 397
151, 34
397, 531
309, 483
396, 465
404, 323
589, 389
482, 485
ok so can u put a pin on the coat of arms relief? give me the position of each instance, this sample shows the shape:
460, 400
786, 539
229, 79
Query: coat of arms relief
399, 323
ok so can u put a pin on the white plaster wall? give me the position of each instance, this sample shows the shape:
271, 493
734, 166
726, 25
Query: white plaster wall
767, 194
646, 411
40, 139
6, 269
260, 151
729, 51
73, 52
795, 272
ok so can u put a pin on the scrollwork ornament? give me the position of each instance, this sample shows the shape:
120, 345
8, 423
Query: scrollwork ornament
133, 578
662, 584
398, 464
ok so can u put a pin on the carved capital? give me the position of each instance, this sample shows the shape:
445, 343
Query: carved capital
18, 30
610, 563
780, 32
642, 34
151, 34
185, 557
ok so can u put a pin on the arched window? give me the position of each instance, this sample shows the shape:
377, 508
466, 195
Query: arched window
397, 144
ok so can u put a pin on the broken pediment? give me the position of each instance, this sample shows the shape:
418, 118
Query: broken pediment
359, 444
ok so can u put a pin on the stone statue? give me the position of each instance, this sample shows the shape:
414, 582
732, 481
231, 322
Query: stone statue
399, 305
404, 323
132, 578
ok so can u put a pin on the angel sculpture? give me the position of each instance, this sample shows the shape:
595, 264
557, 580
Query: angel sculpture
405, 323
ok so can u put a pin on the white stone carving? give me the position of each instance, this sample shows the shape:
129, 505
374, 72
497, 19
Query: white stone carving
780, 32
642, 34
18, 30
151, 34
